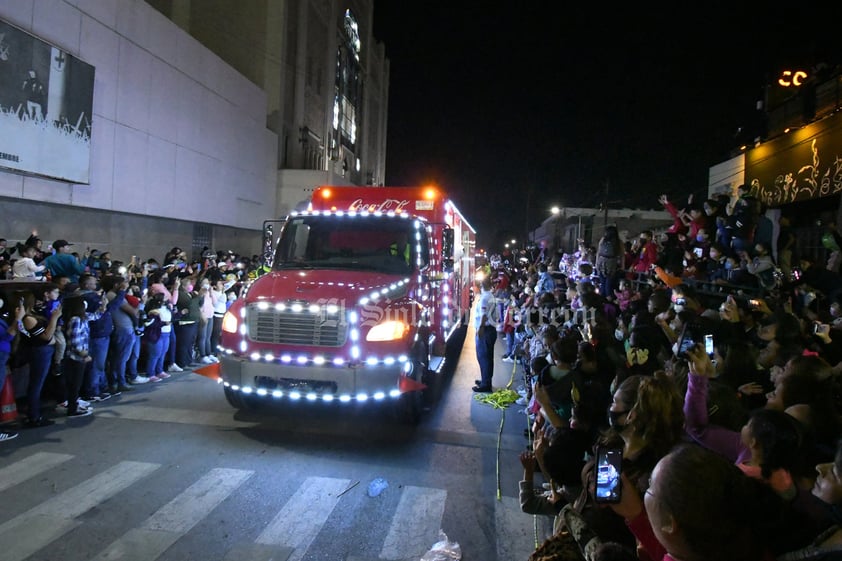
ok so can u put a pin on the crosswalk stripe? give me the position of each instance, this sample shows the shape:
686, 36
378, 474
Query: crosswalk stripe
299, 521
176, 518
29, 467
416, 523
27, 533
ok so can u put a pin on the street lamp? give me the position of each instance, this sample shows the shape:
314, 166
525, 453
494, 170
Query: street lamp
556, 241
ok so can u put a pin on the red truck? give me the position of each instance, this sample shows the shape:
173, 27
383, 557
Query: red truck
365, 290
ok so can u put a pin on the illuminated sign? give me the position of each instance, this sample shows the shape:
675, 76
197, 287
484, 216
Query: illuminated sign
792, 78
388, 205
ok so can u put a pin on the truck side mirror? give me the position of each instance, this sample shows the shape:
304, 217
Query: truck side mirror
447, 250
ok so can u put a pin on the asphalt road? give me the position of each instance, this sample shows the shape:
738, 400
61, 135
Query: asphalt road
171, 472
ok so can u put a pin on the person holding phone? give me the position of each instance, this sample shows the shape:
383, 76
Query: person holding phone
751, 522
38, 343
645, 422
769, 447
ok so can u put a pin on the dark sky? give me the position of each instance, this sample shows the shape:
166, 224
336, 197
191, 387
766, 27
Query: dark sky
492, 100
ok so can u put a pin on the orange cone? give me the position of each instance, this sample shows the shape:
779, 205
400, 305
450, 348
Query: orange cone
8, 407
210, 371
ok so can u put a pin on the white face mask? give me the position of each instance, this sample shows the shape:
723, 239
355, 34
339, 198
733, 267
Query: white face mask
619, 334
674, 349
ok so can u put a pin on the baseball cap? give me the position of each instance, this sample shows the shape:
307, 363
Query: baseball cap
58, 244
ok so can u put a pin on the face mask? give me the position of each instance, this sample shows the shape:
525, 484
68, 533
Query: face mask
728, 265
619, 334
189, 288
614, 419
700, 238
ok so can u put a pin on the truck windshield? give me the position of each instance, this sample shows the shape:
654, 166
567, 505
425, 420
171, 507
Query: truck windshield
373, 243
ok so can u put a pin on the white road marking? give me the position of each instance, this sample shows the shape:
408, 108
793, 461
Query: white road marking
176, 518
416, 523
27, 533
29, 467
299, 521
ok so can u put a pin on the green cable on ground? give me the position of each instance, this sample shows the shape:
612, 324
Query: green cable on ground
501, 399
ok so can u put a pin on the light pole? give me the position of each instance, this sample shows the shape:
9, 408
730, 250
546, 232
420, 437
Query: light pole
556, 217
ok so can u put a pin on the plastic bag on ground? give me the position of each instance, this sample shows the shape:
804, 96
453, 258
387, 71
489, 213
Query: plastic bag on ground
377, 486
443, 550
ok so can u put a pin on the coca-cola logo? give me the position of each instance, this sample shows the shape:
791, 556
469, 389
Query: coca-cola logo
387, 205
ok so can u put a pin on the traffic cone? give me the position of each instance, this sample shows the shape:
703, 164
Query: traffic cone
8, 407
209, 371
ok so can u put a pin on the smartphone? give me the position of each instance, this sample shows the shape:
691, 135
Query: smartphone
686, 341
698, 251
754, 303
609, 465
709, 344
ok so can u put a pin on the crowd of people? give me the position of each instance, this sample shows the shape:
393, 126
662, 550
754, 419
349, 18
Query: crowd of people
86, 327
724, 404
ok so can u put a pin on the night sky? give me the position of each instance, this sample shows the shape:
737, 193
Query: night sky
514, 107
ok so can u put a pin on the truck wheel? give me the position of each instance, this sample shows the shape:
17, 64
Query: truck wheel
409, 407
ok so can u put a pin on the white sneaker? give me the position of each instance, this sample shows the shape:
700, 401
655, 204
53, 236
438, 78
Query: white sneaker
139, 380
206, 360
213, 358
82, 403
175, 368
508, 359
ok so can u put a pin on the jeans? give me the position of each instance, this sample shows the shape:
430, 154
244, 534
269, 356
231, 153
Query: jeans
155, 356
95, 381
203, 339
40, 360
134, 356
510, 343
169, 354
4, 360
485, 341
122, 341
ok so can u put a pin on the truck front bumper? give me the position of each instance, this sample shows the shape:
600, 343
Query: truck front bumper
314, 382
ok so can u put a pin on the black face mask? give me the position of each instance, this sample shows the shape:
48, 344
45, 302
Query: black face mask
614, 419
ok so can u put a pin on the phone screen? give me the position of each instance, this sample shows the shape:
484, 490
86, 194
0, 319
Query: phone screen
698, 251
685, 342
709, 344
609, 463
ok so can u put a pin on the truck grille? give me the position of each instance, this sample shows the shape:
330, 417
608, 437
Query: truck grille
295, 328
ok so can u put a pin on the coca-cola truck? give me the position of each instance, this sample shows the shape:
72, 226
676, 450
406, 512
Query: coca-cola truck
364, 292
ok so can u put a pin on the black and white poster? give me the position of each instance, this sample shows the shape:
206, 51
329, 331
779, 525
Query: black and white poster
46, 104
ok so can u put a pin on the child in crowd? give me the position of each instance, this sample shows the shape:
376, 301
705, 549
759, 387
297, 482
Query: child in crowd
25, 266
77, 354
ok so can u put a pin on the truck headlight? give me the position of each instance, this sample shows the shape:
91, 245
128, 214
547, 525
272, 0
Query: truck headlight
388, 331
229, 323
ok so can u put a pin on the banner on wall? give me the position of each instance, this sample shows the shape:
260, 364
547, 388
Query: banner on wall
802, 165
46, 105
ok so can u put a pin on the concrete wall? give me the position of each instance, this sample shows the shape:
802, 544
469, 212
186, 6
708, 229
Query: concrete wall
179, 137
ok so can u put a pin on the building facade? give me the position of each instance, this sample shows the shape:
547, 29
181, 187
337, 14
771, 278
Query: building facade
208, 117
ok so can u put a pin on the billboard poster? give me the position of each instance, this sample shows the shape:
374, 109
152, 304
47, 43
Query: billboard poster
46, 104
